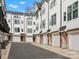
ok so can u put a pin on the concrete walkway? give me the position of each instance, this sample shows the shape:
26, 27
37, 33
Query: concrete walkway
64, 52
5, 52
31, 51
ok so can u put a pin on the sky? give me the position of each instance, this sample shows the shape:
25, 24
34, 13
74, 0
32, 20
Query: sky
19, 5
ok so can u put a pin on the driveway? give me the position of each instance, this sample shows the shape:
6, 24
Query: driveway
29, 51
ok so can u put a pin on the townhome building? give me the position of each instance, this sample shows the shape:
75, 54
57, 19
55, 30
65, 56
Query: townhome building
38, 22
16, 24
70, 24
29, 27
54, 22
50, 22
20, 24
44, 21
59, 23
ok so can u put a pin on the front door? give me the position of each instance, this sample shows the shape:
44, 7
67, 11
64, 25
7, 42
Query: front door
22, 39
49, 39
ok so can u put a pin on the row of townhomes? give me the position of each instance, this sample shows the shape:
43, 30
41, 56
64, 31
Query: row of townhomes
56, 23
20, 26
4, 28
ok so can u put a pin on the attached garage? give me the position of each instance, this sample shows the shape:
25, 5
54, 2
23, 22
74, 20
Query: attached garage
74, 41
38, 39
29, 39
16, 38
56, 40
45, 40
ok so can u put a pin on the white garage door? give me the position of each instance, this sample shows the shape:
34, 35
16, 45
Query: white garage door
38, 39
56, 40
29, 39
45, 41
16, 39
74, 42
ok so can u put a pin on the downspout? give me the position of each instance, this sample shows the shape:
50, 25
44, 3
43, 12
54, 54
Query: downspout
48, 15
24, 23
41, 26
48, 23
60, 20
41, 20
11, 23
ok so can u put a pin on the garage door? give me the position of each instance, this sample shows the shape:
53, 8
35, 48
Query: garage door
45, 41
16, 39
29, 39
38, 39
56, 40
74, 42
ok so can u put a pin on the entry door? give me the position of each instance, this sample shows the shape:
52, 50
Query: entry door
22, 38
49, 39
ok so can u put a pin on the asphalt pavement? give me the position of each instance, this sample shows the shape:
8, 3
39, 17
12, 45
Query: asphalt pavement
29, 51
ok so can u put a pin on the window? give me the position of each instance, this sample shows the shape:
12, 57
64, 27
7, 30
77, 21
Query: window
16, 16
37, 26
72, 11
17, 21
43, 11
21, 22
53, 19
29, 30
75, 10
37, 15
69, 13
52, 4
34, 30
29, 22
64, 16
34, 23
22, 30
17, 29
43, 23
9, 20
30, 18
